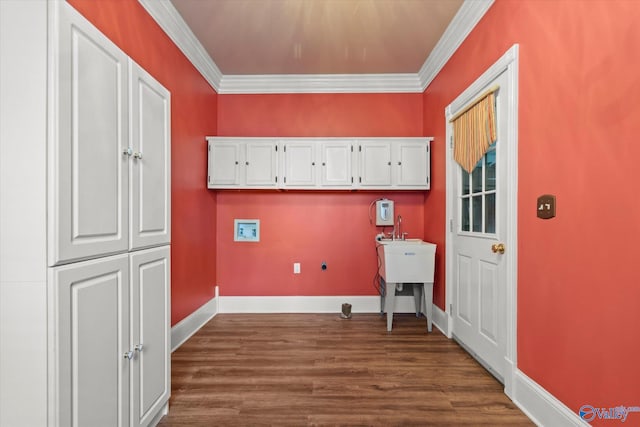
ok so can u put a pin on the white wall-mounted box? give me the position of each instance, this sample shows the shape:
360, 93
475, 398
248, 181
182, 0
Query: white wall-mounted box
246, 230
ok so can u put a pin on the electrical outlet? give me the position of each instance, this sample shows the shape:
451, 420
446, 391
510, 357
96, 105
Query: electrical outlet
296, 268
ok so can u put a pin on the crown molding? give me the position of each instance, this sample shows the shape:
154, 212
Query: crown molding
170, 20
320, 83
461, 25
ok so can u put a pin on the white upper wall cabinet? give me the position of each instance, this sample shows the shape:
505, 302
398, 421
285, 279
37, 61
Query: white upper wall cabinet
224, 164
411, 165
375, 163
299, 166
261, 163
319, 163
314, 163
337, 164
246, 163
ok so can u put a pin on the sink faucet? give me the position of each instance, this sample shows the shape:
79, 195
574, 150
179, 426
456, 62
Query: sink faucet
397, 229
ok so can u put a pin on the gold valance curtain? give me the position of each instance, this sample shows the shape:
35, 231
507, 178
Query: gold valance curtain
474, 130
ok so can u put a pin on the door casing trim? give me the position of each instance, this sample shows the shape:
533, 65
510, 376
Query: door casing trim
508, 64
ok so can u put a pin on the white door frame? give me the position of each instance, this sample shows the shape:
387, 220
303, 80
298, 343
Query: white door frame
507, 63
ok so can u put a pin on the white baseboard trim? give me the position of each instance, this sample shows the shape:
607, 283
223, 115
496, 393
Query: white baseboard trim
188, 326
540, 405
310, 304
441, 320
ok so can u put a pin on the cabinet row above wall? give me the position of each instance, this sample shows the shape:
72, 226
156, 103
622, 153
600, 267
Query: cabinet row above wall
319, 163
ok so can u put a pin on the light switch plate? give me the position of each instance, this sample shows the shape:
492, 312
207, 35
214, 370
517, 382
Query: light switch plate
546, 208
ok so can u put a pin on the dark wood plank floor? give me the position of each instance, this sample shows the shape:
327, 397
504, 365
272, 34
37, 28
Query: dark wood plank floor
319, 369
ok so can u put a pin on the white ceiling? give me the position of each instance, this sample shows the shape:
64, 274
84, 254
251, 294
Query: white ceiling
315, 46
255, 37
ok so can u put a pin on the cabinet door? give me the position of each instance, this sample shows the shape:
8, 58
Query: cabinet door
150, 163
337, 165
261, 166
375, 164
299, 165
90, 314
89, 172
224, 164
412, 165
150, 337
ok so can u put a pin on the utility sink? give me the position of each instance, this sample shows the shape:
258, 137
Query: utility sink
399, 242
406, 261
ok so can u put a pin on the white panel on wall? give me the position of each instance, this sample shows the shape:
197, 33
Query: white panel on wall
23, 168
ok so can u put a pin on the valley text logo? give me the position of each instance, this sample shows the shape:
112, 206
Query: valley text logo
590, 413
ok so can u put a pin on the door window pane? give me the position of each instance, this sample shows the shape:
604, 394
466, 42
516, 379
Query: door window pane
490, 213
465, 182
476, 178
476, 220
465, 214
490, 171
477, 196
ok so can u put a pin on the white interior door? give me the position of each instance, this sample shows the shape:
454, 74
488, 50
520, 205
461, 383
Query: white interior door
479, 255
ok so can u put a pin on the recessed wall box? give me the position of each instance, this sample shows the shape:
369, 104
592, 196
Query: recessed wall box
384, 212
246, 230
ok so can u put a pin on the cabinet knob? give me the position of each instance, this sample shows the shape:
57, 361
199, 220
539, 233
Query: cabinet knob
246, 163
389, 164
127, 151
399, 163
313, 163
138, 348
324, 164
137, 155
236, 162
128, 355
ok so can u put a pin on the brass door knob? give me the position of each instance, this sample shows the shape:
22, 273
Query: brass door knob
497, 248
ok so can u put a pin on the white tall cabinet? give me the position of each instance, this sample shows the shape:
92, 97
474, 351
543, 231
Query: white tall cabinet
85, 225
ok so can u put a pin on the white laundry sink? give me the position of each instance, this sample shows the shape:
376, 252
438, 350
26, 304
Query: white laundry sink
406, 261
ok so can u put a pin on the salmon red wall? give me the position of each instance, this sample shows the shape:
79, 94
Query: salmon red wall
322, 114
578, 278
309, 228
193, 116
312, 226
